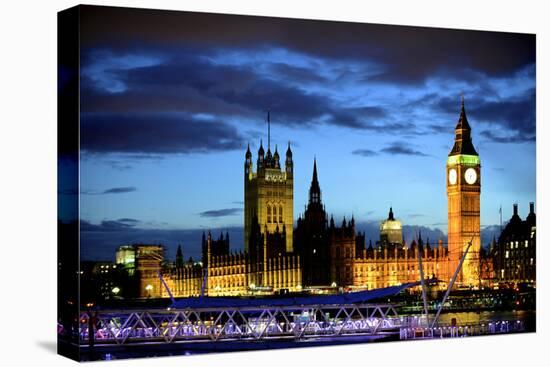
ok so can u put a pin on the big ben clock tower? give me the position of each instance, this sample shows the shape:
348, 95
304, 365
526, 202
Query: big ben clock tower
463, 194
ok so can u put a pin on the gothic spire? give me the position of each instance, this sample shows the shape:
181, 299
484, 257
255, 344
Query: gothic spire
288, 151
463, 140
314, 170
261, 150
315, 189
268, 129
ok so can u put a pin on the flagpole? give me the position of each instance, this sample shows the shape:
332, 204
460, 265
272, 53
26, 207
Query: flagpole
500, 212
268, 130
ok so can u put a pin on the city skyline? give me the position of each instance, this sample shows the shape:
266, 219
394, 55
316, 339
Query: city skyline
393, 109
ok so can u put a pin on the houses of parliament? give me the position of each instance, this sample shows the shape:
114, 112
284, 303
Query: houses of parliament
320, 255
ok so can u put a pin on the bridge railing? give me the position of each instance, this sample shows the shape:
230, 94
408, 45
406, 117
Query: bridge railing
217, 324
459, 331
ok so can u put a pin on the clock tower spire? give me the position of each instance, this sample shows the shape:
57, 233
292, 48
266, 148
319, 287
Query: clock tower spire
463, 200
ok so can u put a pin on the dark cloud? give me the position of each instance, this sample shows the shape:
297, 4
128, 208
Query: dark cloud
364, 118
407, 54
517, 116
402, 148
106, 226
441, 129
290, 73
187, 86
182, 80
157, 133
364, 152
120, 190
507, 138
128, 220
416, 215
220, 212
511, 119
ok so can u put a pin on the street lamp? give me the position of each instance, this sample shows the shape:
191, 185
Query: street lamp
115, 290
148, 288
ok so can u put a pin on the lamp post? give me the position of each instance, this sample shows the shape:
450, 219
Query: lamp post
148, 288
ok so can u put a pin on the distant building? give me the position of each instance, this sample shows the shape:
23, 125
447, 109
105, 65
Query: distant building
102, 280
126, 257
514, 255
391, 231
144, 262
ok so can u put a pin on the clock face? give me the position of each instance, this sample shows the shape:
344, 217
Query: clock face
470, 176
452, 176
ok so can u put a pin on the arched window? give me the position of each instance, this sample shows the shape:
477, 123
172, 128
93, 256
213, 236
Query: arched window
268, 214
274, 214
280, 214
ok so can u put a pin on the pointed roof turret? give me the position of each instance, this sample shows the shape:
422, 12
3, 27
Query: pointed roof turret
314, 169
390, 215
463, 140
261, 150
248, 153
288, 151
314, 189
462, 119
276, 158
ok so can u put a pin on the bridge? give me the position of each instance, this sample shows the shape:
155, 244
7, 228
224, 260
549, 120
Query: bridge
236, 323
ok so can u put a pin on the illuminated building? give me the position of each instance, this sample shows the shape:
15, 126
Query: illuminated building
269, 193
145, 262
514, 255
320, 254
336, 256
463, 200
235, 273
126, 257
391, 231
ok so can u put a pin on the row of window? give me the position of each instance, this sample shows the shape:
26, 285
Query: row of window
515, 244
272, 214
276, 193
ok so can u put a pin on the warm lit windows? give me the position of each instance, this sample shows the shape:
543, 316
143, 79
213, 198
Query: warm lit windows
268, 214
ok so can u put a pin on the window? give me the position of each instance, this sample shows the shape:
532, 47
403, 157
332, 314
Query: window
268, 214
274, 214
281, 214
507, 254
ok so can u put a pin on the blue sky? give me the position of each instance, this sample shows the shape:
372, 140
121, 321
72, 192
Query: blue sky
169, 102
